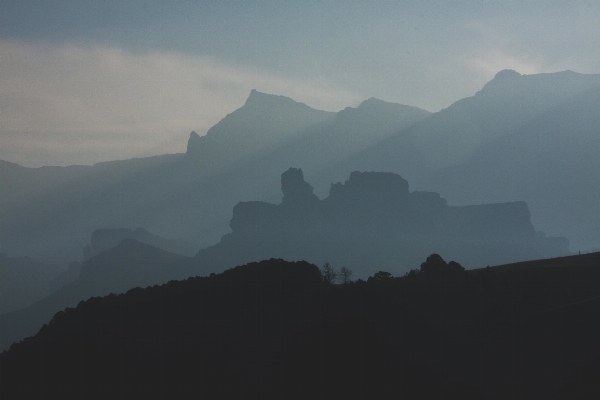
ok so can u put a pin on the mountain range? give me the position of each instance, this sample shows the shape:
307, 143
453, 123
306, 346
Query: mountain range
521, 137
48, 212
531, 138
507, 175
368, 224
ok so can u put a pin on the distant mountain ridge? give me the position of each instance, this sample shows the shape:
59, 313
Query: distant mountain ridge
521, 137
104, 239
263, 122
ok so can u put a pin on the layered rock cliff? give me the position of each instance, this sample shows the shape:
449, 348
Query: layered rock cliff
372, 222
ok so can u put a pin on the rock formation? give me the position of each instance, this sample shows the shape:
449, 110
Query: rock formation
372, 222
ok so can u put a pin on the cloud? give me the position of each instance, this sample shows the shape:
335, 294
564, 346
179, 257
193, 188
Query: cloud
489, 64
548, 40
80, 103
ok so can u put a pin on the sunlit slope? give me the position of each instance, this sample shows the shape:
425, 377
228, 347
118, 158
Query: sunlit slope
522, 137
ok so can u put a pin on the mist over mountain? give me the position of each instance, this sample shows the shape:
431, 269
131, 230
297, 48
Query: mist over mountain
521, 137
51, 211
550, 161
525, 138
24, 281
353, 130
104, 239
328, 200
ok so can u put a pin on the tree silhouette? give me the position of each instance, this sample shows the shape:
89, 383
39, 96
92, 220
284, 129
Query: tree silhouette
328, 273
380, 277
345, 275
436, 266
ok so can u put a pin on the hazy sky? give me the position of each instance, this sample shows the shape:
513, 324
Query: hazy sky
88, 81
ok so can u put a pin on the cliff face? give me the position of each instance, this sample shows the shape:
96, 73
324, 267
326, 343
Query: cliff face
372, 222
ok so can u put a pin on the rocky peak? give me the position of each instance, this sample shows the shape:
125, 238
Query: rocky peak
507, 74
295, 189
258, 99
504, 80
194, 143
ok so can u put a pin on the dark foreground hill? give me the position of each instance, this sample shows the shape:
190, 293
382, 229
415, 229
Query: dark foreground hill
278, 329
116, 270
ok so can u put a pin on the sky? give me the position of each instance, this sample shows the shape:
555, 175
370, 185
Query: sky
89, 81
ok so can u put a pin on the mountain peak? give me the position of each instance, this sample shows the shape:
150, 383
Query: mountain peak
372, 101
194, 143
381, 109
507, 74
504, 78
260, 98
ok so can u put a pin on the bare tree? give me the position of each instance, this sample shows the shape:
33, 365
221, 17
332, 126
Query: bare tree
345, 275
328, 273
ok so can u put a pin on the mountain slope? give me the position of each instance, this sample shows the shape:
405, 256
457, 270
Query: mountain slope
23, 281
262, 123
522, 137
104, 239
550, 161
130, 264
277, 328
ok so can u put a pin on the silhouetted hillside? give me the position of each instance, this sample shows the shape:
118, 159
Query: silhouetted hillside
372, 222
128, 265
289, 339
277, 328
